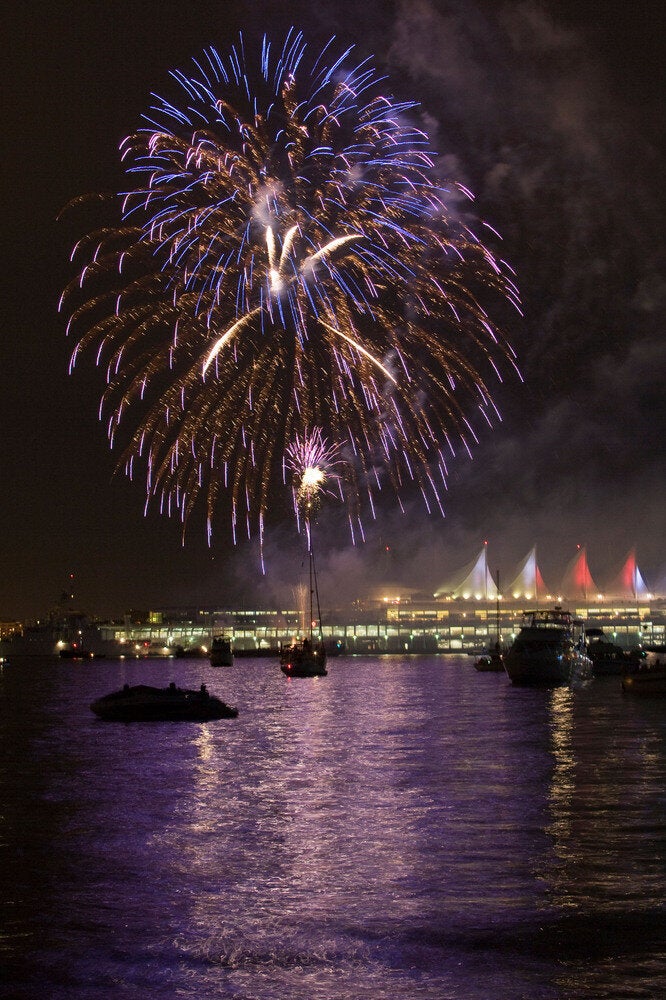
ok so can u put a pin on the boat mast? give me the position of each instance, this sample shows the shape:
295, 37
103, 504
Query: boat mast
310, 560
497, 610
314, 588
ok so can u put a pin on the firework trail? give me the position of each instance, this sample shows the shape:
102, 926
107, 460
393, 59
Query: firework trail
286, 259
300, 598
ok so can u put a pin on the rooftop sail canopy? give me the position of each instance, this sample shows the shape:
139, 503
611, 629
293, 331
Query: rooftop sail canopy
577, 581
629, 582
528, 582
473, 582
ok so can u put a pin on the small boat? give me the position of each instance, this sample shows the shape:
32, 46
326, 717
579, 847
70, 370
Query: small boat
648, 681
548, 651
493, 660
305, 657
73, 652
221, 653
142, 703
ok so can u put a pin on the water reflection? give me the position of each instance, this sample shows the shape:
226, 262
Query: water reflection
324, 807
401, 827
561, 707
604, 805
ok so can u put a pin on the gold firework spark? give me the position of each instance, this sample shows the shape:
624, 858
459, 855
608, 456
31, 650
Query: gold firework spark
287, 259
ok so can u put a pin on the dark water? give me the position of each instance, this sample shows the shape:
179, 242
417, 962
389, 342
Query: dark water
401, 828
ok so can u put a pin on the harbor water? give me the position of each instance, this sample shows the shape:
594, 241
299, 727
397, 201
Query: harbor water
404, 827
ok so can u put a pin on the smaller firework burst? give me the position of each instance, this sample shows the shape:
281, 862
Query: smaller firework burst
313, 463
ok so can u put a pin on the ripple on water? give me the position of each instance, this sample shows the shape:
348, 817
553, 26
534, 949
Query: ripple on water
402, 827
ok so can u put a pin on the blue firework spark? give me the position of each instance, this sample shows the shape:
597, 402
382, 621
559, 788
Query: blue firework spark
286, 260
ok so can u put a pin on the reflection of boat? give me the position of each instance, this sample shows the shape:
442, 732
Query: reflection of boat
608, 658
649, 681
142, 703
221, 653
547, 650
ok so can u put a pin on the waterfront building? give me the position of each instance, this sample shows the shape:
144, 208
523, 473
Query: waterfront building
464, 615
411, 624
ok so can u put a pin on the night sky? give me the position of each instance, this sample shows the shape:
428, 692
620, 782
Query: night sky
552, 113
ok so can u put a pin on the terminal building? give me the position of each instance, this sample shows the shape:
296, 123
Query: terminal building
467, 614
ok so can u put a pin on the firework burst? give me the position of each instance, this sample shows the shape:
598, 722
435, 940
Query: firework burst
287, 258
314, 465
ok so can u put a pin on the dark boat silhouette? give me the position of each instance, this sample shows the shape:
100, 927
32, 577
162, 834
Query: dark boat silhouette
609, 658
646, 681
547, 650
142, 703
304, 659
307, 657
493, 660
221, 652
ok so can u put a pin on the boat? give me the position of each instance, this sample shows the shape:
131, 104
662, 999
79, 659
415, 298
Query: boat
548, 650
142, 703
609, 658
493, 660
648, 681
306, 657
221, 653
68, 636
76, 652
490, 662
190, 652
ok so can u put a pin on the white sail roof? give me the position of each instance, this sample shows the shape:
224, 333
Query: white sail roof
473, 582
528, 582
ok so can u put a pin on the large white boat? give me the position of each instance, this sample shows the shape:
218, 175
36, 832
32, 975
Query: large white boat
548, 650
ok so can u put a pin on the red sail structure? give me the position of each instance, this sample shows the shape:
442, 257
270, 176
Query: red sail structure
577, 582
528, 583
629, 582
